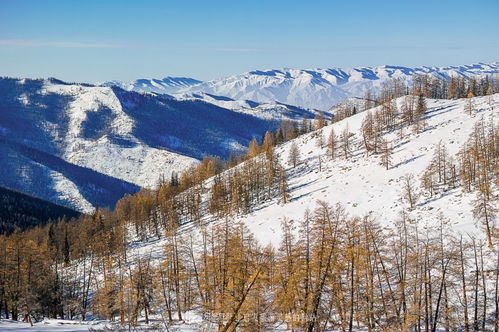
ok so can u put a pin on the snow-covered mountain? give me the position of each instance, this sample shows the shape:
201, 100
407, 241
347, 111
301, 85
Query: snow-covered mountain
267, 111
310, 88
322, 88
164, 86
358, 182
83, 145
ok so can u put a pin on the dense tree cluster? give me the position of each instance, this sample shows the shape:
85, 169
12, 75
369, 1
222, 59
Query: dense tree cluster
331, 271
52, 271
18, 210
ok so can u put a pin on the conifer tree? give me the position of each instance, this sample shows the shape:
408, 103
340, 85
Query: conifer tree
345, 142
409, 190
469, 105
305, 125
368, 131
320, 120
268, 142
283, 185
386, 157
485, 212
294, 155
320, 141
332, 143
253, 149
420, 107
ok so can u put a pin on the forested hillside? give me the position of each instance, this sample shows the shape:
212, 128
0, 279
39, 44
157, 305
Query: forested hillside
381, 220
18, 210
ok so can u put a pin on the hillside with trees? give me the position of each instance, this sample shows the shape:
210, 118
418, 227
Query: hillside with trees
21, 211
383, 220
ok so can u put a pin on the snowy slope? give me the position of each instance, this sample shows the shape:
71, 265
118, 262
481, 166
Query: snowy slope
266, 111
83, 145
364, 186
309, 88
361, 184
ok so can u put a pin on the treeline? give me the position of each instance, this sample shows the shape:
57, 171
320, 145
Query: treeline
18, 210
430, 86
427, 86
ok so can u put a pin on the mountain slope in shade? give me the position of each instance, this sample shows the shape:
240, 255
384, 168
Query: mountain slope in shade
308, 88
23, 211
82, 145
272, 111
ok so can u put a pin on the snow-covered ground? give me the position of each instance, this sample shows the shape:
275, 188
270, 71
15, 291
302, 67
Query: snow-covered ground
50, 325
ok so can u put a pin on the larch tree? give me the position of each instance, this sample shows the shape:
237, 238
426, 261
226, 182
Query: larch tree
485, 211
332, 144
253, 148
320, 141
294, 154
283, 185
469, 104
345, 142
409, 191
367, 130
320, 120
386, 157
421, 107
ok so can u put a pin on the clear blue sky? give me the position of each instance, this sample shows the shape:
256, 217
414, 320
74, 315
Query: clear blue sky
92, 41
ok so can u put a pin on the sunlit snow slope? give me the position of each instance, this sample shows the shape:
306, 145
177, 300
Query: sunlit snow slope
360, 183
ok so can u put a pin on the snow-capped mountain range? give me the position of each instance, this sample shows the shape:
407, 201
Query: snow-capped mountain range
309, 88
83, 145
165, 85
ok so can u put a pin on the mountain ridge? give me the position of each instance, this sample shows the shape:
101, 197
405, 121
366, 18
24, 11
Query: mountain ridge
318, 88
81, 145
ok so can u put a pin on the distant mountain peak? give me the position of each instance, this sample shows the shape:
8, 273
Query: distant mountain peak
168, 84
313, 88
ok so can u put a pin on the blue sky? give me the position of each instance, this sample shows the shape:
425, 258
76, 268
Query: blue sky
102, 40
